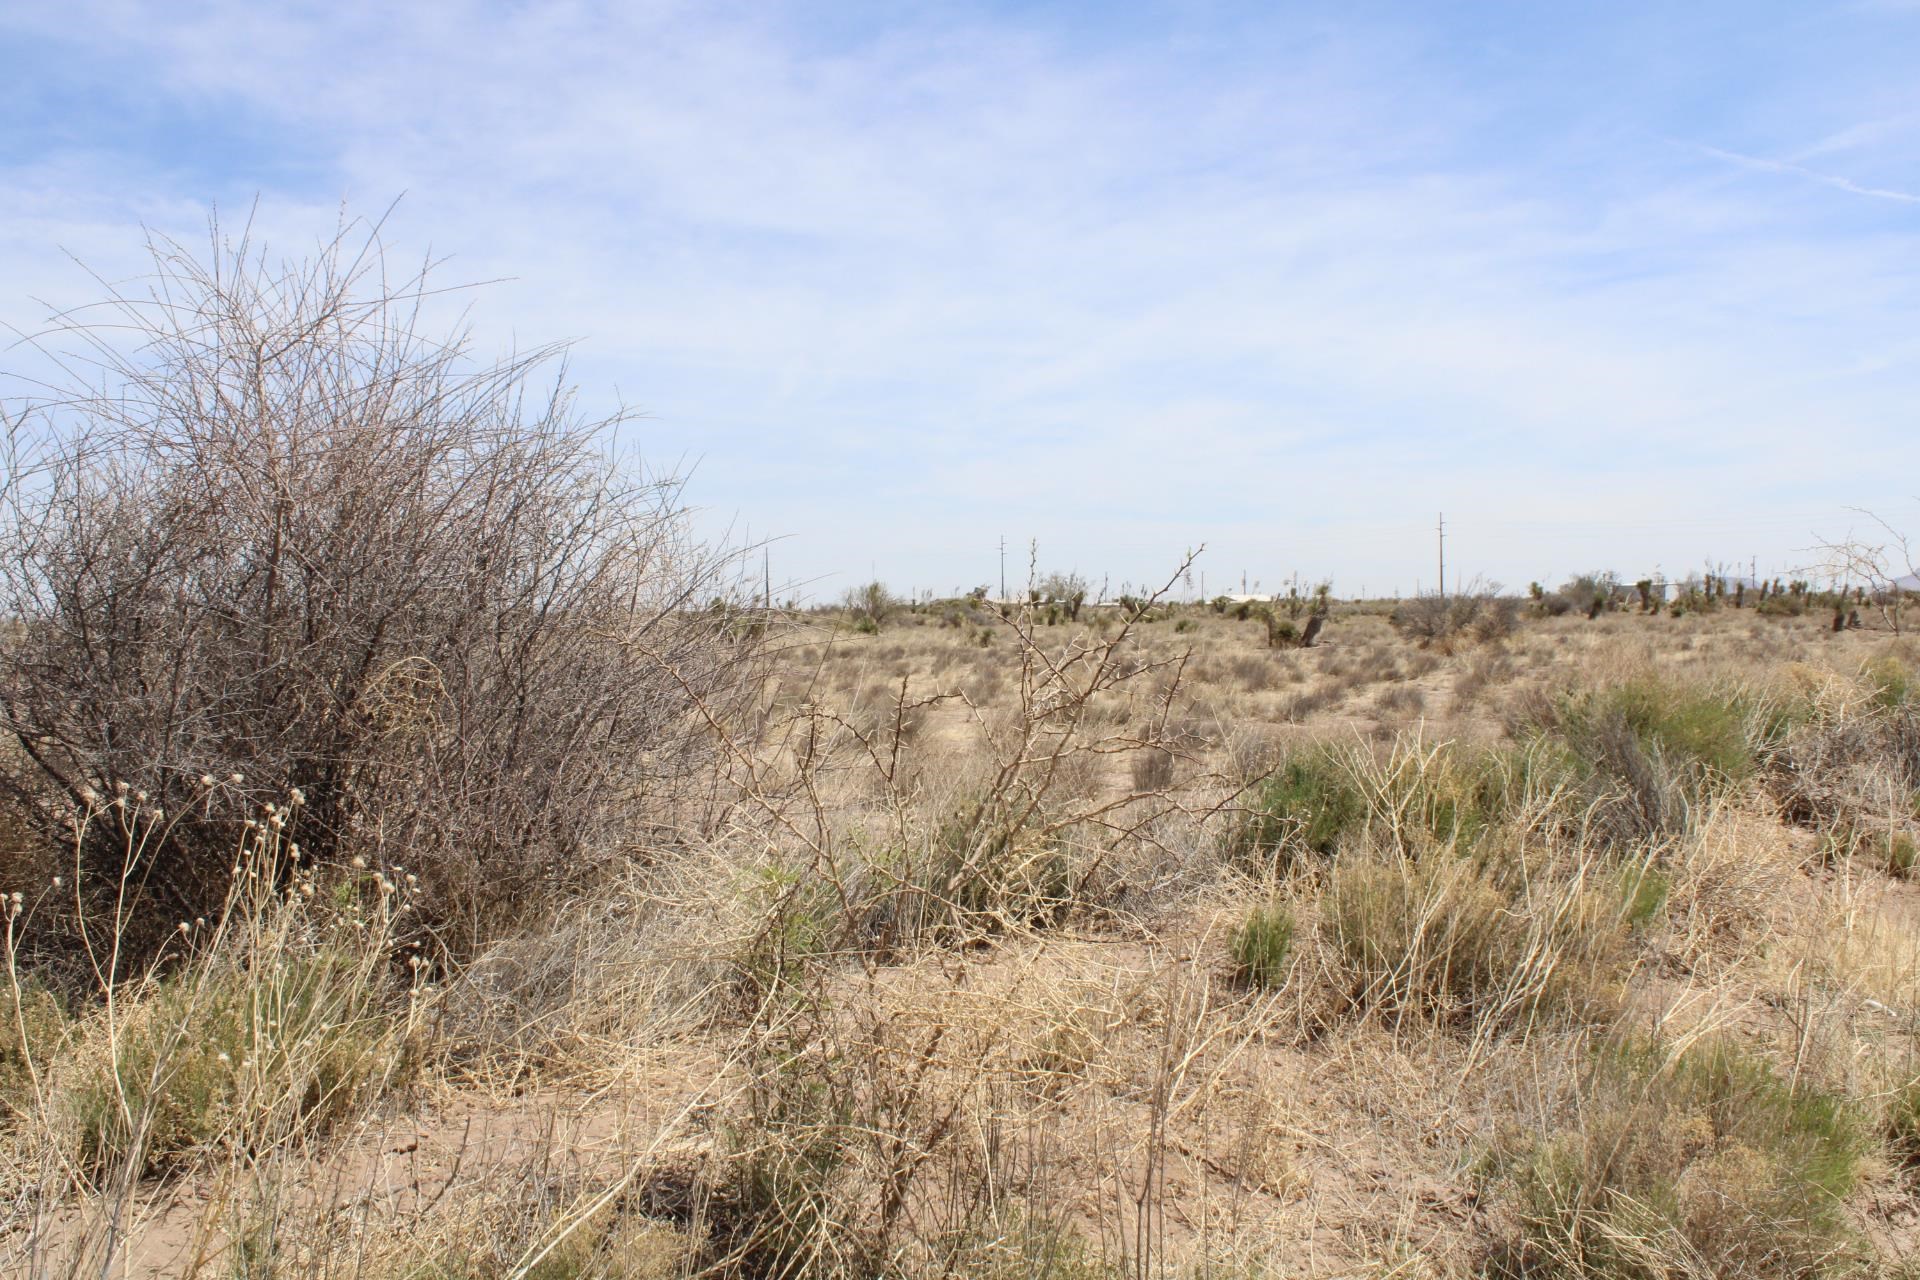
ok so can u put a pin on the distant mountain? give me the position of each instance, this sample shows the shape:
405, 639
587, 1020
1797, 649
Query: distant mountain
1909, 583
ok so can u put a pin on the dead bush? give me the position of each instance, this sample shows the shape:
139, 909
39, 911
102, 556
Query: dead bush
290, 541
1474, 616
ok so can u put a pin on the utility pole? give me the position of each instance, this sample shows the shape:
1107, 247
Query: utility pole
766, 577
1003, 567
1442, 531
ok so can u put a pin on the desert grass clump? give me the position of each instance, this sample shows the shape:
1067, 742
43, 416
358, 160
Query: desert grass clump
1487, 669
1420, 794
34, 1030
1692, 1162
872, 1138
1892, 682
292, 1010
1848, 765
538, 1224
1446, 939
226, 1055
1401, 700
1152, 769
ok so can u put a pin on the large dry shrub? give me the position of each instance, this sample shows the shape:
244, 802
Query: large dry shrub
277, 534
1478, 615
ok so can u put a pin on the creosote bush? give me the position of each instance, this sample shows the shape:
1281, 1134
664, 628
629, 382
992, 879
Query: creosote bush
1303, 808
1653, 749
291, 538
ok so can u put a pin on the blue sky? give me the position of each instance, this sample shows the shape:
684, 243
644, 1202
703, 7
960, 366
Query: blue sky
1613, 285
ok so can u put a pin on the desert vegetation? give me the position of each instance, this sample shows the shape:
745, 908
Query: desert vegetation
423, 858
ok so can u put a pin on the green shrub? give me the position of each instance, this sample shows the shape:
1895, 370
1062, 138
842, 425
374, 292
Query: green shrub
1306, 807
1262, 946
870, 606
1651, 748
1705, 1156
1705, 727
799, 921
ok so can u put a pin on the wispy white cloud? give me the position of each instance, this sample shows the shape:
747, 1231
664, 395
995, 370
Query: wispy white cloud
1835, 181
